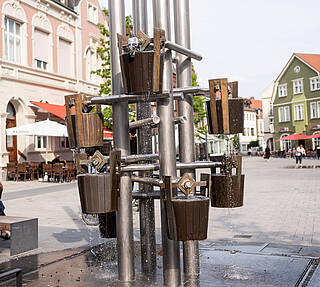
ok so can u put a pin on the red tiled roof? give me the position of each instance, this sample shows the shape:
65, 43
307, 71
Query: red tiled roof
312, 59
256, 104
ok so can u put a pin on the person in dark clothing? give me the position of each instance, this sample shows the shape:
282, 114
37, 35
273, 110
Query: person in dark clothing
318, 152
56, 159
267, 153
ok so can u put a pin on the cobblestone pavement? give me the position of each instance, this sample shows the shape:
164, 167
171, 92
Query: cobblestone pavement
281, 206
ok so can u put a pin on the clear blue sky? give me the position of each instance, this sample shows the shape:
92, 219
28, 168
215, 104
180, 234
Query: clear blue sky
249, 40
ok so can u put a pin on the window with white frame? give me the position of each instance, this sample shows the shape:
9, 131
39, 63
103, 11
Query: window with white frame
299, 112
286, 114
281, 114
92, 13
65, 54
313, 110
12, 40
285, 145
244, 132
315, 84
40, 142
271, 109
318, 109
252, 131
282, 90
315, 142
298, 86
41, 49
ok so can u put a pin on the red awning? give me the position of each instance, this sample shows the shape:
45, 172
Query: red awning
315, 136
57, 110
294, 137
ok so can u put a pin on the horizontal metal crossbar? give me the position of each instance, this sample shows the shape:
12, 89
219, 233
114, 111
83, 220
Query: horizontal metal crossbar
182, 50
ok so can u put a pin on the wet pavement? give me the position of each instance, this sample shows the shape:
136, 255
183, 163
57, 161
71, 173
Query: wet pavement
222, 264
273, 240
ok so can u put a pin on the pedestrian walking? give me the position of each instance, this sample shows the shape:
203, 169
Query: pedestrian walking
249, 151
267, 153
318, 151
299, 153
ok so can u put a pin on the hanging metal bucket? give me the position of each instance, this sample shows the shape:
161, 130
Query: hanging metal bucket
138, 73
96, 194
108, 225
227, 191
187, 218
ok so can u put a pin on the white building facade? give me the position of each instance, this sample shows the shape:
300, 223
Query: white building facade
47, 50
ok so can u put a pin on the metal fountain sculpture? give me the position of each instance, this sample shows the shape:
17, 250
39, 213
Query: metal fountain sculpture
142, 73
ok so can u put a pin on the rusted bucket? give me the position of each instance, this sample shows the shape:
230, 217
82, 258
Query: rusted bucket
227, 191
138, 72
96, 194
187, 218
108, 225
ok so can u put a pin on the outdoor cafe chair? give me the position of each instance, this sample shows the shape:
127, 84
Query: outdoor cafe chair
47, 168
34, 170
11, 170
58, 171
22, 170
70, 171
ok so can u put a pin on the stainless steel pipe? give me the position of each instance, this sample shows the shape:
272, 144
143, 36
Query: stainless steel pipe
148, 180
153, 121
156, 166
120, 117
191, 264
109, 100
167, 152
182, 50
146, 205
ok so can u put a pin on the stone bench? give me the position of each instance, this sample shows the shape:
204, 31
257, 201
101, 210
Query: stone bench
24, 233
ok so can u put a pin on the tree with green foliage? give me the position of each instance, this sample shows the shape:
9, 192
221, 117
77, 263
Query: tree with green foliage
199, 111
104, 72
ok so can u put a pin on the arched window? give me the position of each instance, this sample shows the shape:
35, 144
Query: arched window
316, 141
285, 145
92, 64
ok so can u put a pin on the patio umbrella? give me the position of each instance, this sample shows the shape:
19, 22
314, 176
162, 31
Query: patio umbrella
44, 128
293, 137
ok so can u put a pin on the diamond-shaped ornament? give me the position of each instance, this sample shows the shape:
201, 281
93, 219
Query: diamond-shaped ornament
186, 184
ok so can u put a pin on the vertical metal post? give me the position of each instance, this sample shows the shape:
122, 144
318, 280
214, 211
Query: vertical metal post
167, 152
191, 266
146, 206
121, 142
